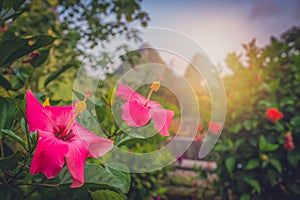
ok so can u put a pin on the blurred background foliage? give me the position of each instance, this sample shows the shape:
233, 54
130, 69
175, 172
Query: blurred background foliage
254, 158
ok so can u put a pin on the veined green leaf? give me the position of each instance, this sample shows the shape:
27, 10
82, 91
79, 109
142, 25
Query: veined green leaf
254, 183
230, 164
99, 177
252, 164
14, 137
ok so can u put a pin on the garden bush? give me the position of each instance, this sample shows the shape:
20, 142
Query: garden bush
259, 151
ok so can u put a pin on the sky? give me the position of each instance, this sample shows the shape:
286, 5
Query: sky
221, 26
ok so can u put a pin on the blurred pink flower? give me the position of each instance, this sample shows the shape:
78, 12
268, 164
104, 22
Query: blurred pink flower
289, 142
60, 137
137, 111
214, 127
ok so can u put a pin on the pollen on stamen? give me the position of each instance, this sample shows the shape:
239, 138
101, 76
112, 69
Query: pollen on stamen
80, 107
155, 86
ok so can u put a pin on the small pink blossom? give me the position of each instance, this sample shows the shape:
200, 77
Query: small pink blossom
180, 159
61, 138
137, 111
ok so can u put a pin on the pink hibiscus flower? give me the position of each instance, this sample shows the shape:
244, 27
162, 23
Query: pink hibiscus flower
60, 137
137, 111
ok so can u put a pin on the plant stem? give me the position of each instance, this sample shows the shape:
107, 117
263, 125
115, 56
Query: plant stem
1, 148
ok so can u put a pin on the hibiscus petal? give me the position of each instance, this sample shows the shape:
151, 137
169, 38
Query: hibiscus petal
127, 93
61, 114
134, 114
75, 161
49, 155
36, 115
96, 145
161, 118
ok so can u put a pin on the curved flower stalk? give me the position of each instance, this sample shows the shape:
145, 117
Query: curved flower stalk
60, 137
137, 111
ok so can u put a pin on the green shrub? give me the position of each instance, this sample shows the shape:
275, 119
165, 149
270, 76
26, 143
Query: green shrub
258, 158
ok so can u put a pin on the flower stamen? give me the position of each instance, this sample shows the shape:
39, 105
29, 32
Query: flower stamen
79, 109
154, 87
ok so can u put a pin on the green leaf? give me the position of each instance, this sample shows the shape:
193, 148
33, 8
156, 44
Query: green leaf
264, 163
262, 142
254, 183
236, 128
10, 10
10, 50
252, 164
247, 125
24, 126
252, 141
4, 83
293, 157
11, 162
286, 101
221, 147
55, 74
276, 164
100, 112
14, 137
230, 164
239, 142
295, 121
97, 177
265, 146
245, 196
272, 177
121, 172
90, 106
106, 195
41, 59
271, 147
126, 138
7, 114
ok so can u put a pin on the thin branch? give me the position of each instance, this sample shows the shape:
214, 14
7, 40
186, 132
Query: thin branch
37, 184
